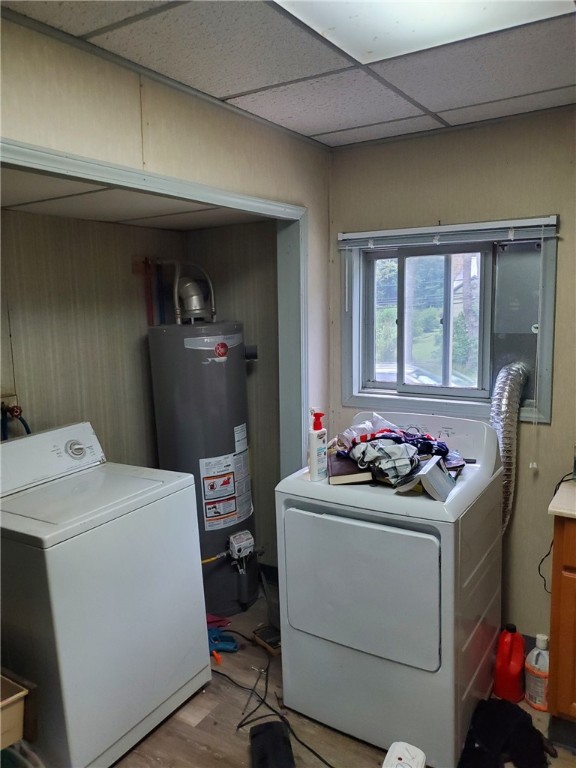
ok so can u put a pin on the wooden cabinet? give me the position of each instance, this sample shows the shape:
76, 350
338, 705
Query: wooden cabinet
562, 683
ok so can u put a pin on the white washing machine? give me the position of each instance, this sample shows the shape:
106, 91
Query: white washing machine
102, 599
390, 603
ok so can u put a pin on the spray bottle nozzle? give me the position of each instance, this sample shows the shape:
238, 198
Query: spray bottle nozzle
317, 416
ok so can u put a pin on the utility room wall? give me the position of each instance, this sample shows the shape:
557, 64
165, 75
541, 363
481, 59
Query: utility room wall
74, 320
74, 332
513, 169
58, 97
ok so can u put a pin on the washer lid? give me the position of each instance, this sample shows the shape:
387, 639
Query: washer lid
55, 511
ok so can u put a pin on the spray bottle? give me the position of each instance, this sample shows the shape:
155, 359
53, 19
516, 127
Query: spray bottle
317, 448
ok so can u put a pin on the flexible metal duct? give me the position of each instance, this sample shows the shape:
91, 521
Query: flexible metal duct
504, 418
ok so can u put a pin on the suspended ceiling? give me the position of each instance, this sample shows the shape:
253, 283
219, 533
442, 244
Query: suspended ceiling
342, 72
337, 73
50, 195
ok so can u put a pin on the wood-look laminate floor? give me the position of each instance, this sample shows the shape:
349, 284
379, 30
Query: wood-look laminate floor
203, 732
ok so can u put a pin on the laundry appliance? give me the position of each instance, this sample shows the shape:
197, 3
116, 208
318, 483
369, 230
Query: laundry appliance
390, 602
102, 599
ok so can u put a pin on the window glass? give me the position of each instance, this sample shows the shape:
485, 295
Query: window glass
442, 320
435, 315
385, 326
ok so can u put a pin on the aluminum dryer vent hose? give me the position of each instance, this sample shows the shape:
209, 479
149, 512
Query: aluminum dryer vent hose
504, 418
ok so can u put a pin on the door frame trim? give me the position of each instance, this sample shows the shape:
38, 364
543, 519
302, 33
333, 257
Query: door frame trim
292, 266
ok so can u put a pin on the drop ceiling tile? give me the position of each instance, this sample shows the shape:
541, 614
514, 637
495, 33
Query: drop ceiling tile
112, 205
346, 100
520, 105
380, 131
516, 62
80, 18
223, 48
26, 187
371, 31
215, 217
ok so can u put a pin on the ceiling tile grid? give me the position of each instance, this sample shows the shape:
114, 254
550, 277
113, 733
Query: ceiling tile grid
223, 48
559, 97
81, 18
515, 62
305, 65
214, 217
19, 187
379, 131
38, 193
345, 100
371, 31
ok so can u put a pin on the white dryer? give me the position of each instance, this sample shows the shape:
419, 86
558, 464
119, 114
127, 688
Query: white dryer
102, 599
390, 603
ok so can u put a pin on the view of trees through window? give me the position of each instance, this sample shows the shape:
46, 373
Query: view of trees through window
440, 323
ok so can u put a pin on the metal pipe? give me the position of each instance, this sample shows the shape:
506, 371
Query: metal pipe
212, 296
175, 296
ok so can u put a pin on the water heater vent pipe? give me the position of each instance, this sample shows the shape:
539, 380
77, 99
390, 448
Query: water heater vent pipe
175, 292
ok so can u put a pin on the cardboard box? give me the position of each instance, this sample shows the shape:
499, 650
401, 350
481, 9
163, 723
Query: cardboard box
12, 711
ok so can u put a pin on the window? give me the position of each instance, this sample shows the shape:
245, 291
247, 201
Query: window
430, 316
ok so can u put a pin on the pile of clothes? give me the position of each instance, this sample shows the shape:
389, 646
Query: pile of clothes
500, 732
389, 452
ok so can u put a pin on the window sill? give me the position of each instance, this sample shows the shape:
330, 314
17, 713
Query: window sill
401, 403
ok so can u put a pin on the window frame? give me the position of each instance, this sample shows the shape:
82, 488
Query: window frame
361, 248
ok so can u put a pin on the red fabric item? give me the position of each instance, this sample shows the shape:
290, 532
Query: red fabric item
216, 621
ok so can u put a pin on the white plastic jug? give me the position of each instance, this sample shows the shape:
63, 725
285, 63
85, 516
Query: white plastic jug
536, 668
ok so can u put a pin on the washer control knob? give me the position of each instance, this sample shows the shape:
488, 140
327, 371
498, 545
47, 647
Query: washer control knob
75, 449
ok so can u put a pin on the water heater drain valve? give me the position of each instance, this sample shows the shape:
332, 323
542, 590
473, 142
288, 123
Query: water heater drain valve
241, 544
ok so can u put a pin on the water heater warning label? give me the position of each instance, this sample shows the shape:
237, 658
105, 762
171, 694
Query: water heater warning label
226, 490
219, 485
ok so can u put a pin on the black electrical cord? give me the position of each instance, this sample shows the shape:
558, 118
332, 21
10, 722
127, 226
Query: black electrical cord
540, 566
564, 479
248, 719
567, 476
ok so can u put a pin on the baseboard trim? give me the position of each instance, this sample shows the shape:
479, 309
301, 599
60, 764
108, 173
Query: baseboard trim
562, 733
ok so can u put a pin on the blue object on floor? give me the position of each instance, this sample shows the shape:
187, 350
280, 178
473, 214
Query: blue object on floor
221, 642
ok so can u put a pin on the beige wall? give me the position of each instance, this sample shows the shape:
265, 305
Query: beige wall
514, 169
75, 331
56, 96
74, 294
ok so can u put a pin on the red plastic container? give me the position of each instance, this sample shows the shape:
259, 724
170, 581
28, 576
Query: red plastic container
509, 668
